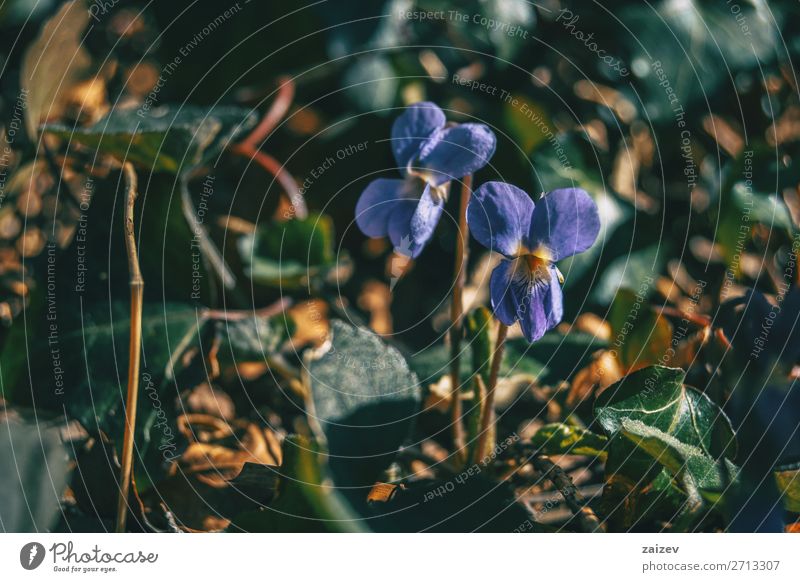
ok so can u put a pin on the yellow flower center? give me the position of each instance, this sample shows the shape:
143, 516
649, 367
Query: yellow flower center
534, 264
438, 193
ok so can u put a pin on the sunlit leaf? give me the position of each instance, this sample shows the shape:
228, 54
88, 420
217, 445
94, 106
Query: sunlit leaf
642, 336
562, 439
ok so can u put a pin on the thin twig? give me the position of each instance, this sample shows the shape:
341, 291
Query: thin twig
487, 414
587, 519
243, 314
134, 347
210, 251
456, 319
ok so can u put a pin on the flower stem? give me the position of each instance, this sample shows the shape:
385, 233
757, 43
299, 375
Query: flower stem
487, 415
456, 318
134, 349
276, 112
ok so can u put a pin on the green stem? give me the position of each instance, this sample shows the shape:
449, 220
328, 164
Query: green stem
457, 321
487, 413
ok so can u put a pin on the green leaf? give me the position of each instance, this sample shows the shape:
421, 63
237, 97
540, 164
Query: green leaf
645, 473
252, 338
306, 501
33, 462
364, 398
680, 458
523, 117
762, 207
434, 362
371, 83
562, 439
477, 325
642, 335
635, 271
92, 357
688, 40
657, 397
170, 138
82, 365
787, 478
289, 254
554, 358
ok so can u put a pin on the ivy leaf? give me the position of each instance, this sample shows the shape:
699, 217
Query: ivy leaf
170, 138
657, 397
680, 458
289, 254
561, 439
364, 399
643, 463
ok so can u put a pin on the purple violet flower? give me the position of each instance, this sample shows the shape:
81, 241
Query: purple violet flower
526, 286
430, 155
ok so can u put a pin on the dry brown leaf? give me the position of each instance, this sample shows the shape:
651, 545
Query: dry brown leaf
376, 298
311, 323
593, 325
602, 371
729, 138
55, 62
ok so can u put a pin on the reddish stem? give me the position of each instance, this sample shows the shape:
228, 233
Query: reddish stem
275, 113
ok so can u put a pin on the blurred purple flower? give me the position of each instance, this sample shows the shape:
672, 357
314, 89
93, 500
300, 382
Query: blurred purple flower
429, 155
526, 286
